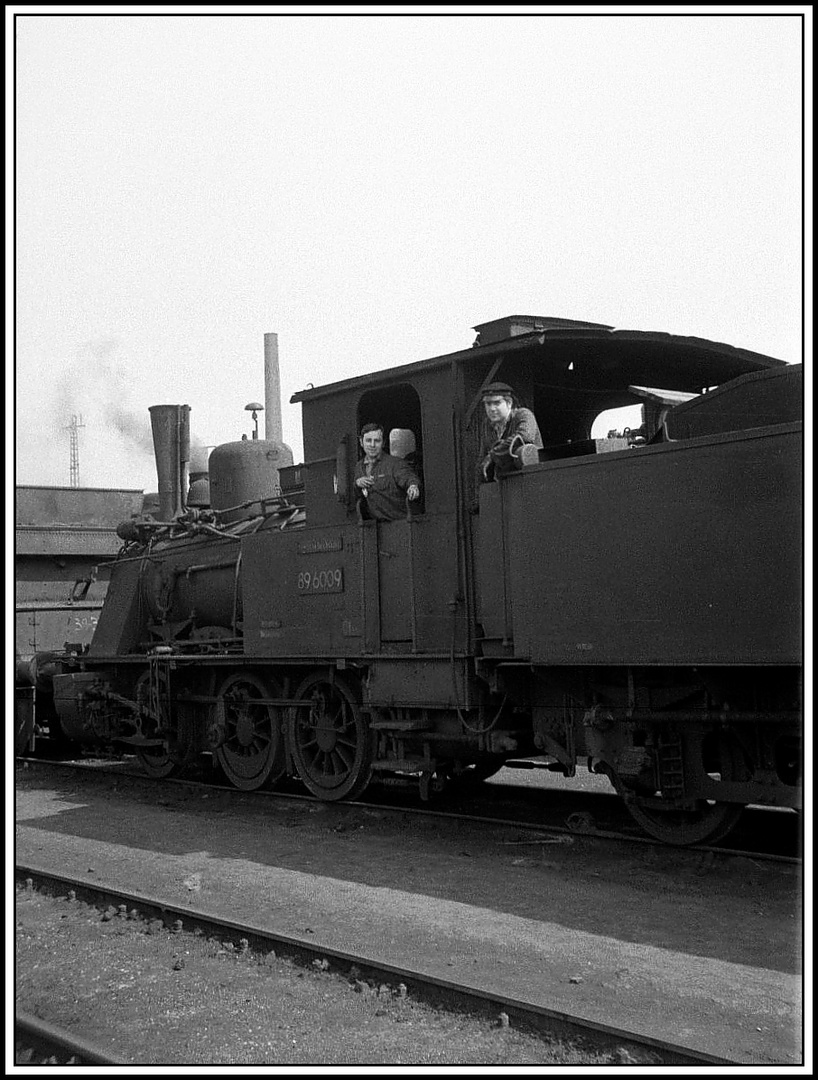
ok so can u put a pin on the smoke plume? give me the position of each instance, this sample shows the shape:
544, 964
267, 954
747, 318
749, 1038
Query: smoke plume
99, 387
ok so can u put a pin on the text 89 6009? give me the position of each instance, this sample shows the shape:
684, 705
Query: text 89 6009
320, 581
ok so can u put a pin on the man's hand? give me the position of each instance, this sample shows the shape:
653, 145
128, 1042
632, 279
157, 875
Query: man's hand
364, 482
412, 492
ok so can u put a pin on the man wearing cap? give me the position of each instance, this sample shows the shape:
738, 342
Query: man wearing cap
381, 479
507, 423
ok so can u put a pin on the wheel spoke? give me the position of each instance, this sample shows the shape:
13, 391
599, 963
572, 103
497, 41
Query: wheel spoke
345, 759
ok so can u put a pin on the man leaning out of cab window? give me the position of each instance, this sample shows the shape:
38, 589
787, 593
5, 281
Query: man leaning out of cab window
383, 481
508, 423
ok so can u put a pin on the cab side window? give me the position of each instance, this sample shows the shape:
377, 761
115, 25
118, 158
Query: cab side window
398, 409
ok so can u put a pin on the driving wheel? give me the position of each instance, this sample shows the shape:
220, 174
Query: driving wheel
252, 753
330, 741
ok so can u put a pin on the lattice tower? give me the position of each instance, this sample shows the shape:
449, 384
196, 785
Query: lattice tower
73, 430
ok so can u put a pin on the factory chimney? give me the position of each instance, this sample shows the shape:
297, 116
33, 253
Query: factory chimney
272, 391
272, 402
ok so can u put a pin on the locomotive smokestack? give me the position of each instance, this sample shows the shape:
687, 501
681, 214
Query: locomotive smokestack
272, 391
171, 443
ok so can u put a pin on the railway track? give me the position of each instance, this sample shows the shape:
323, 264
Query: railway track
579, 821
37, 1042
621, 1043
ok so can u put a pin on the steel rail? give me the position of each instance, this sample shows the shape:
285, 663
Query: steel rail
48, 1041
420, 811
431, 988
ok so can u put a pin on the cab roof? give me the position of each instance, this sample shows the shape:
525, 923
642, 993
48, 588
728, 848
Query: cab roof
662, 359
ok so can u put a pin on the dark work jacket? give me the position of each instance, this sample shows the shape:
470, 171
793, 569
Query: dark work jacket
386, 499
521, 422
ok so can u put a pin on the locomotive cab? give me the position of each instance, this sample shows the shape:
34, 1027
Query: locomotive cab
654, 586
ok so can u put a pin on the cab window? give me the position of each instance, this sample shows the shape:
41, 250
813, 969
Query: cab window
398, 409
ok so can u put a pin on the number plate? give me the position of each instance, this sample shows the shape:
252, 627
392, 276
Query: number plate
330, 579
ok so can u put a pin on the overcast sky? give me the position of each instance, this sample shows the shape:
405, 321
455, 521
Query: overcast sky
370, 187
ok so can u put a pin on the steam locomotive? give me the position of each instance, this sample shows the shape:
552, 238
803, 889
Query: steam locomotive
630, 603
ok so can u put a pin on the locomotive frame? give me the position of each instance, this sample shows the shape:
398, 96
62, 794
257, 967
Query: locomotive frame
632, 601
